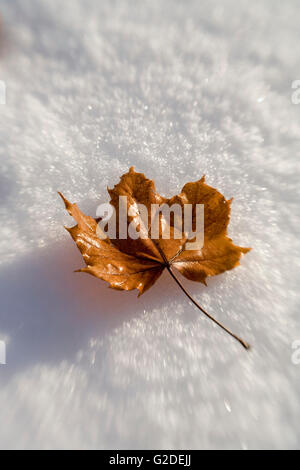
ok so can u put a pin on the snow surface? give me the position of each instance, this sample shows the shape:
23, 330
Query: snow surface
176, 89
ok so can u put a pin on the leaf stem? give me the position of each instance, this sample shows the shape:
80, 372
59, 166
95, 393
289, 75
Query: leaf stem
242, 342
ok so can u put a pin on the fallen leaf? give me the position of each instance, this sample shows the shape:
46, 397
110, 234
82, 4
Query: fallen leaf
128, 264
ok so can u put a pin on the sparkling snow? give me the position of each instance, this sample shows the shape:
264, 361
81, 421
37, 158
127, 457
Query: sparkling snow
177, 89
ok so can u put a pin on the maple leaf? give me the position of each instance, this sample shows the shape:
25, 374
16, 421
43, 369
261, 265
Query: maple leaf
127, 263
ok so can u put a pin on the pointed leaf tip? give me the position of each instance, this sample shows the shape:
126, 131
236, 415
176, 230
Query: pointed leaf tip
67, 203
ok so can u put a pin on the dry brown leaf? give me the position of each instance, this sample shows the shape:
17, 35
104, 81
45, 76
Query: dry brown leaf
128, 264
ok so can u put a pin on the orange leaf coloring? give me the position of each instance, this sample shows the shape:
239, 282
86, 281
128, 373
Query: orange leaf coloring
128, 264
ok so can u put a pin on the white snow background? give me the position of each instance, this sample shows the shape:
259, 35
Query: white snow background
178, 89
